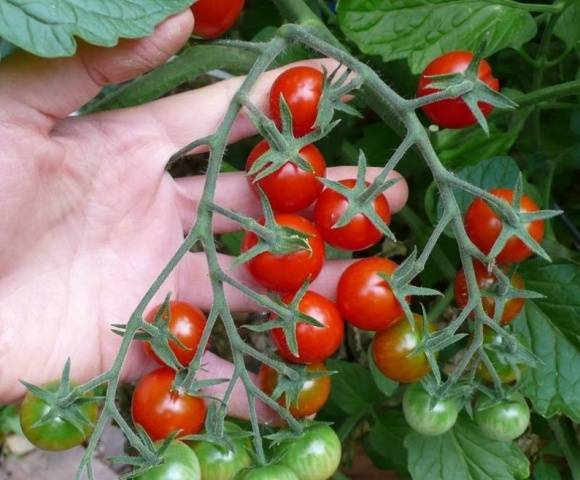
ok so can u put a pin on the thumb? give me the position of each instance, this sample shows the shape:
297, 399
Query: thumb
37, 91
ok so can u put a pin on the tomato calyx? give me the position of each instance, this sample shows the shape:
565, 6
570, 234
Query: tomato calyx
360, 197
470, 88
64, 402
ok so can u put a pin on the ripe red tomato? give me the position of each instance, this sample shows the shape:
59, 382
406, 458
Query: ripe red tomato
486, 280
313, 394
301, 87
315, 344
365, 299
359, 233
186, 323
454, 113
290, 188
215, 17
161, 411
287, 272
392, 352
483, 227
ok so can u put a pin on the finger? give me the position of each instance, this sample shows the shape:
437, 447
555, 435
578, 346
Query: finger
182, 118
54, 88
234, 192
194, 286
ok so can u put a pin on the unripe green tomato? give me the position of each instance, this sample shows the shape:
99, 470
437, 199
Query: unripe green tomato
180, 463
315, 455
57, 434
270, 472
219, 463
504, 421
424, 418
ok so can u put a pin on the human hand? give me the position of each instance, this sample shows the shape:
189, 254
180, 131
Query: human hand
89, 217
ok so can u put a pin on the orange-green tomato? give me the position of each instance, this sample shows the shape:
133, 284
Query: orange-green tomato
57, 434
392, 349
312, 396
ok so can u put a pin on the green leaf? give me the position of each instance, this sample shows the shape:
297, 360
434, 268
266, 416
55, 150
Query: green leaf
420, 30
49, 29
385, 384
389, 430
353, 388
546, 471
464, 453
567, 26
550, 327
232, 242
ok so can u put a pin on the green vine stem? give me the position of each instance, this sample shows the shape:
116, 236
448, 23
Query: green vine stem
568, 445
202, 232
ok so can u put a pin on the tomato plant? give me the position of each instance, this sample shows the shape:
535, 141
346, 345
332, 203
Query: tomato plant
223, 462
315, 455
290, 188
503, 420
484, 226
301, 88
311, 397
161, 410
495, 349
55, 433
392, 351
213, 18
486, 280
364, 298
315, 344
179, 463
359, 233
186, 323
428, 416
453, 113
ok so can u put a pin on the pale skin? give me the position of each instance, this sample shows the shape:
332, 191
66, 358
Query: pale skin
89, 217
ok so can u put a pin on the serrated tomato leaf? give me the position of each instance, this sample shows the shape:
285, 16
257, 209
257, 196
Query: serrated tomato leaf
49, 29
389, 430
464, 453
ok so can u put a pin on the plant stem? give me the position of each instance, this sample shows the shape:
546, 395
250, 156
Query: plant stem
549, 93
567, 444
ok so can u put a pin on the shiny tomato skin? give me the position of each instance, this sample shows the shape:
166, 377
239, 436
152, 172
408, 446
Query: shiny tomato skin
315, 344
312, 396
365, 299
486, 280
503, 421
301, 87
313, 456
186, 323
223, 463
179, 463
58, 434
391, 350
290, 188
269, 472
425, 418
287, 273
483, 227
213, 18
454, 113
161, 411
359, 233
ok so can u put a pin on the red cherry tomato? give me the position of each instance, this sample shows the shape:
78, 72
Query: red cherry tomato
301, 87
186, 323
392, 352
290, 188
483, 227
486, 280
287, 272
365, 299
359, 233
454, 113
215, 17
161, 411
315, 344
313, 394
